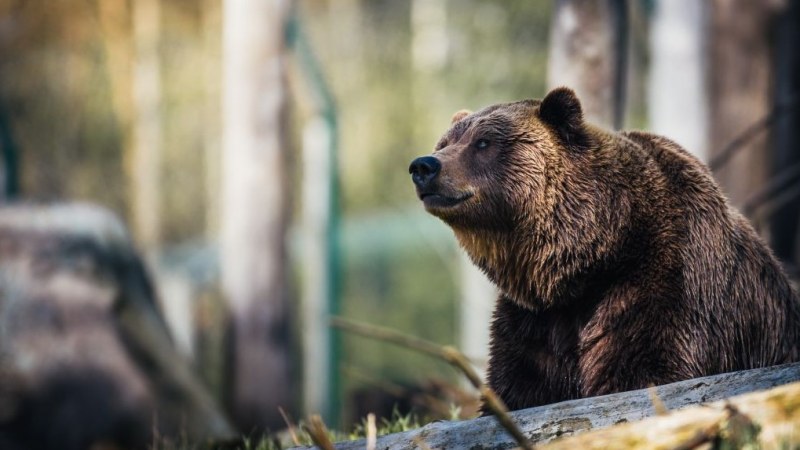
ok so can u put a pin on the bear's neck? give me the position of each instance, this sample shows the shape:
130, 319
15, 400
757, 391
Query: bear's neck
515, 267
541, 269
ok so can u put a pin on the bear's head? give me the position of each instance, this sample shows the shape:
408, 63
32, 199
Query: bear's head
514, 181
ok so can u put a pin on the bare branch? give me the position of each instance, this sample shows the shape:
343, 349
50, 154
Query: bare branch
446, 353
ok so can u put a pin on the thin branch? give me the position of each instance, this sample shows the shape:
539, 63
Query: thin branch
723, 156
770, 208
290, 426
500, 410
658, 406
446, 353
777, 184
319, 433
388, 335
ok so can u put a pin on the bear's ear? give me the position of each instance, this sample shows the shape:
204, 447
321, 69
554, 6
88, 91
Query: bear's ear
562, 110
460, 115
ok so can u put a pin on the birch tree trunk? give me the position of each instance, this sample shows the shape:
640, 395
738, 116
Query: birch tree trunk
212, 23
145, 158
587, 53
678, 103
255, 209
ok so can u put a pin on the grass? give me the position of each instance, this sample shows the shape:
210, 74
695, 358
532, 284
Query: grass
279, 441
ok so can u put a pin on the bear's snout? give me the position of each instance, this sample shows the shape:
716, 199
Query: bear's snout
423, 170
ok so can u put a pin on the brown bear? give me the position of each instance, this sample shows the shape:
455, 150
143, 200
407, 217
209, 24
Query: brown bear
619, 261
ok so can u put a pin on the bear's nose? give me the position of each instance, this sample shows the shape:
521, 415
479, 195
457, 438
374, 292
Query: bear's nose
424, 169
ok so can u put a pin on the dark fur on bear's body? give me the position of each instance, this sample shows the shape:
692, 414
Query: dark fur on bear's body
620, 263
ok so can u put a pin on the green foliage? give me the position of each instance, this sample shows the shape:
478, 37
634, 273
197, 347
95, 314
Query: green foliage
393, 107
261, 444
396, 424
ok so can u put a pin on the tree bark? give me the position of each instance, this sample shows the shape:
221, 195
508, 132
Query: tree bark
147, 134
786, 136
740, 91
212, 24
588, 53
255, 209
546, 423
769, 419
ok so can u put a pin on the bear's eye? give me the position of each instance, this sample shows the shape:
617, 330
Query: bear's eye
482, 144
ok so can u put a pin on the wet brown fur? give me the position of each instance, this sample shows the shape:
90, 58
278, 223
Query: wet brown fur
619, 261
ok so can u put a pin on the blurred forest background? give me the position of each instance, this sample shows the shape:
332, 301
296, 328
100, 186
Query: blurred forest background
254, 240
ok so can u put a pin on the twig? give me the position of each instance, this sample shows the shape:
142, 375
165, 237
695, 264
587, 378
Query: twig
290, 426
777, 184
499, 409
447, 353
727, 152
456, 358
778, 202
387, 335
658, 405
319, 433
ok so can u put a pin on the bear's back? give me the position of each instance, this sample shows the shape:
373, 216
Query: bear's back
741, 297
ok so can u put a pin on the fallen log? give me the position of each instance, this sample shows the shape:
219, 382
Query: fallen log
546, 423
766, 419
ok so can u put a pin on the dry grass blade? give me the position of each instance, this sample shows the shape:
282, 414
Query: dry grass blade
658, 405
290, 426
319, 433
447, 353
372, 432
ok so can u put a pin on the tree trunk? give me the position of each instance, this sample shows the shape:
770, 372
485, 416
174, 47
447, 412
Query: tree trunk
212, 24
147, 136
255, 209
767, 419
786, 136
678, 104
740, 91
588, 53
543, 424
